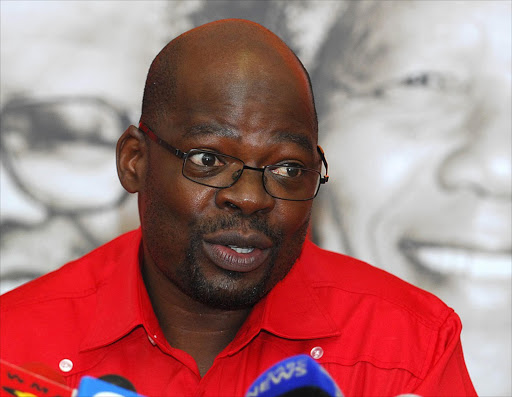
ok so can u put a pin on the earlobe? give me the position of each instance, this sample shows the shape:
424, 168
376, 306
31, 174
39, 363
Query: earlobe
131, 159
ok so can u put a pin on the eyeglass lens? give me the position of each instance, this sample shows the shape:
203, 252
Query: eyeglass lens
222, 171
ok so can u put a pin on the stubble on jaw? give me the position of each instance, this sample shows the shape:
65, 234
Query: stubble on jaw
188, 277
228, 295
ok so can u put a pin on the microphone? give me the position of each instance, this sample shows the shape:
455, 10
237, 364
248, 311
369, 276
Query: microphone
297, 376
118, 380
45, 371
92, 387
40, 380
17, 381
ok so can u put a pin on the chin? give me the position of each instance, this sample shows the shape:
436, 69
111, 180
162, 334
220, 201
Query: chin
224, 289
229, 298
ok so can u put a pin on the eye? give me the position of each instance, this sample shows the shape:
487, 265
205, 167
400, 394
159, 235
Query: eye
425, 79
428, 80
288, 170
206, 159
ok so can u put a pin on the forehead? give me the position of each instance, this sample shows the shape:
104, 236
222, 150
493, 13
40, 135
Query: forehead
243, 93
452, 36
61, 49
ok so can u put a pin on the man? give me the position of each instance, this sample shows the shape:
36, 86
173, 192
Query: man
418, 107
219, 283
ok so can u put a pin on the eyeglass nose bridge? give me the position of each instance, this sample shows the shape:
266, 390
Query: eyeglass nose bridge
240, 171
238, 174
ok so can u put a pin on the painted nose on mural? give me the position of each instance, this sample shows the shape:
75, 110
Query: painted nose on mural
483, 165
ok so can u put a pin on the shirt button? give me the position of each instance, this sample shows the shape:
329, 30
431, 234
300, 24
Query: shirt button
317, 352
152, 340
66, 365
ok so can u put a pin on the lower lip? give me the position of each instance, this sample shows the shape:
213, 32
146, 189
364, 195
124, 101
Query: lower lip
228, 259
459, 261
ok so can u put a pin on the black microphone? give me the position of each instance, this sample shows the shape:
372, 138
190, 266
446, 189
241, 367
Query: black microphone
118, 380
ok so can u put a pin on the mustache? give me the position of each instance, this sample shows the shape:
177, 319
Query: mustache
237, 221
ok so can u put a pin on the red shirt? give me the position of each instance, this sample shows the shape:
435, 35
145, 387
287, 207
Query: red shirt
375, 334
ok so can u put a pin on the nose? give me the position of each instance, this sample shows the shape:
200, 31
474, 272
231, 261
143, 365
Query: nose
484, 163
247, 195
483, 166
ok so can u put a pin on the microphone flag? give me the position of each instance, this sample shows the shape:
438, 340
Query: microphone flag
19, 382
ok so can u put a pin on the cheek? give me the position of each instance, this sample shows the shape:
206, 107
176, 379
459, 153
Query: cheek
167, 207
366, 167
169, 192
291, 217
374, 154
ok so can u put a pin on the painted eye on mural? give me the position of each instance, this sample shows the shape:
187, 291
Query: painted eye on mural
432, 80
68, 141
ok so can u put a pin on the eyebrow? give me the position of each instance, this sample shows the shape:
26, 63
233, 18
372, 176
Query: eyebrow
211, 129
225, 132
298, 139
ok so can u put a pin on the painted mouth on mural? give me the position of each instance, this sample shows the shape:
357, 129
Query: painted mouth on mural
458, 260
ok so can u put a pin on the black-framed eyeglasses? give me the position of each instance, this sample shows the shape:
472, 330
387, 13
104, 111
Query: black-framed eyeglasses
282, 181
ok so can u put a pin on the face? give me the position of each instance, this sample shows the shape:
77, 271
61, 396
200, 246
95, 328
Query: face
423, 166
421, 161
68, 91
227, 248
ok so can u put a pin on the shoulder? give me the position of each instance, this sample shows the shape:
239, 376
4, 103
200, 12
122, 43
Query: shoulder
382, 319
348, 276
54, 311
75, 279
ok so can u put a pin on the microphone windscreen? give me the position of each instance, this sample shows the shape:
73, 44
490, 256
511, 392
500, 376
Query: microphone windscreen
118, 380
307, 391
92, 387
408, 395
296, 376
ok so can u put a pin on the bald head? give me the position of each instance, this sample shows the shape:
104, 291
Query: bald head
239, 53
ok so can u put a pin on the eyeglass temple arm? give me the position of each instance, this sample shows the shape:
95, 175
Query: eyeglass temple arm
325, 178
144, 128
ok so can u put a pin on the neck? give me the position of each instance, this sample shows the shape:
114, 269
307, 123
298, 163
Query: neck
188, 325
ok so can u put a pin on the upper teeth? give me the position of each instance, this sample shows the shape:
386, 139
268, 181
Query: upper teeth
241, 250
460, 261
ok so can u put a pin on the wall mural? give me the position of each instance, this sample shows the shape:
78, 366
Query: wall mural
414, 99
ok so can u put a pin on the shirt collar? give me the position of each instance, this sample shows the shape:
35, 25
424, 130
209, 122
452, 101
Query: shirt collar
121, 295
291, 310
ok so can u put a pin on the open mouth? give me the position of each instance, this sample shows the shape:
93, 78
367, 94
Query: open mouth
454, 260
241, 250
236, 251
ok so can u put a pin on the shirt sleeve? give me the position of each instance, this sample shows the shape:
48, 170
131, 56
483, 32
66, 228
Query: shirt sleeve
447, 375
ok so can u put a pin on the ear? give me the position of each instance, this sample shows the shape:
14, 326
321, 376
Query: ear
131, 159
